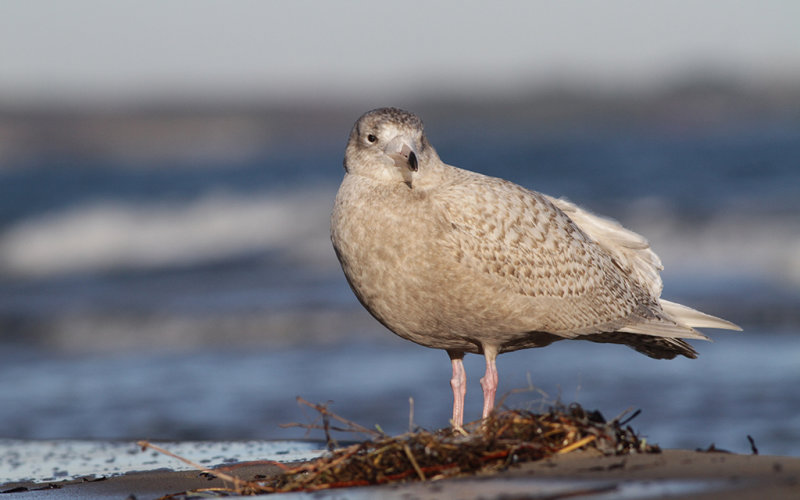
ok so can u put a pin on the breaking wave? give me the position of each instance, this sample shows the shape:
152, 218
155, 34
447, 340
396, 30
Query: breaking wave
113, 235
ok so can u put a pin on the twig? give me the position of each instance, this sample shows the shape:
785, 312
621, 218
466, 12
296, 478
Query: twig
353, 426
347, 453
225, 477
752, 444
413, 461
622, 423
410, 414
577, 444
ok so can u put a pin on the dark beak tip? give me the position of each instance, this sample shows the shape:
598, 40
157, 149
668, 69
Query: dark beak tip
412, 161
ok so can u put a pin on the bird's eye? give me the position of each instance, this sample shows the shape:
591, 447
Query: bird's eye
372, 138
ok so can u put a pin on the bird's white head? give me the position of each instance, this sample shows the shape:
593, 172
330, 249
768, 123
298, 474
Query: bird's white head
389, 145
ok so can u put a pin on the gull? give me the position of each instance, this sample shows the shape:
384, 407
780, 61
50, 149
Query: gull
456, 260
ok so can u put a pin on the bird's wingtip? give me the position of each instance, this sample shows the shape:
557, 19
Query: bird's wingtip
693, 318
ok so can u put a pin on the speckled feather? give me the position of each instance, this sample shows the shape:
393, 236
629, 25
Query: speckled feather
457, 260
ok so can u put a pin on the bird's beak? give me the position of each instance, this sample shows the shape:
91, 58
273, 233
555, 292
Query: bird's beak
402, 153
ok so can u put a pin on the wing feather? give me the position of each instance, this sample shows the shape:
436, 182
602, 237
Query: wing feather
631, 250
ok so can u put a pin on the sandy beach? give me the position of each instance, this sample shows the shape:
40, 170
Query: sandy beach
584, 474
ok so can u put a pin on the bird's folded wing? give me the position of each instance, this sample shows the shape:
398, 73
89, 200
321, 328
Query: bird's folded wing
633, 253
518, 237
533, 253
630, 250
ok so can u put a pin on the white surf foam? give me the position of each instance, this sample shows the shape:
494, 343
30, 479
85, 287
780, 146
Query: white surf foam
739, 244
62, 460
109, 235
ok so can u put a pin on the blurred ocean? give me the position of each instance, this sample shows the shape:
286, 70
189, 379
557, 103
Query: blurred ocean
194, 298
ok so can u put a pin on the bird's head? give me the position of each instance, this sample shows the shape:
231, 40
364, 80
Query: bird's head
389, 145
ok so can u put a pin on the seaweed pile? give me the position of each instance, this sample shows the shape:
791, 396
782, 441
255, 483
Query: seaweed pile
503, 439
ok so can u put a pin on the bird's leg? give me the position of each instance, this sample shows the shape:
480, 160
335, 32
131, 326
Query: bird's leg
459, 385
489, 380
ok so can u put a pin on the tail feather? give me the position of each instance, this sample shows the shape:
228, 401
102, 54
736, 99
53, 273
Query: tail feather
678, 321
693, 318
655, 347
664, 328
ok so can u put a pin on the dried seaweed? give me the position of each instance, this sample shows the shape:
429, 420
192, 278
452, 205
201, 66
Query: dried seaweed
503, 439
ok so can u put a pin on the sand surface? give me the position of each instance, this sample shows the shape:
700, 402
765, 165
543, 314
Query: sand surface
585, 475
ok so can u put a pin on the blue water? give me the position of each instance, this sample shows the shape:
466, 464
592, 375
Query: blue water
742, 384
173, 300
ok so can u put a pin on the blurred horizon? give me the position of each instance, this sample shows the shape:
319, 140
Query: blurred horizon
212, 130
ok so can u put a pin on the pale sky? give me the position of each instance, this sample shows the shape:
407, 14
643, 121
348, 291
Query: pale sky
129, 50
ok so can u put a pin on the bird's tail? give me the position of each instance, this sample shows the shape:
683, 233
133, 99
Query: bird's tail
678, 321
693, 318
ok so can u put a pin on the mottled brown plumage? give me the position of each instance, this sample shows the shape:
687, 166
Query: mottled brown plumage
456, 260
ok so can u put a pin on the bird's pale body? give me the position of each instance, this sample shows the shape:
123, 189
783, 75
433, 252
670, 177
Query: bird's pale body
456, 260
477, 260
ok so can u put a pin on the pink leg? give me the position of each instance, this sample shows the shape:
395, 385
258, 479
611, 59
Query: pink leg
489, 380
459, 385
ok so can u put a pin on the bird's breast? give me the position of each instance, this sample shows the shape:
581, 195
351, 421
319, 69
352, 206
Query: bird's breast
388, 241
